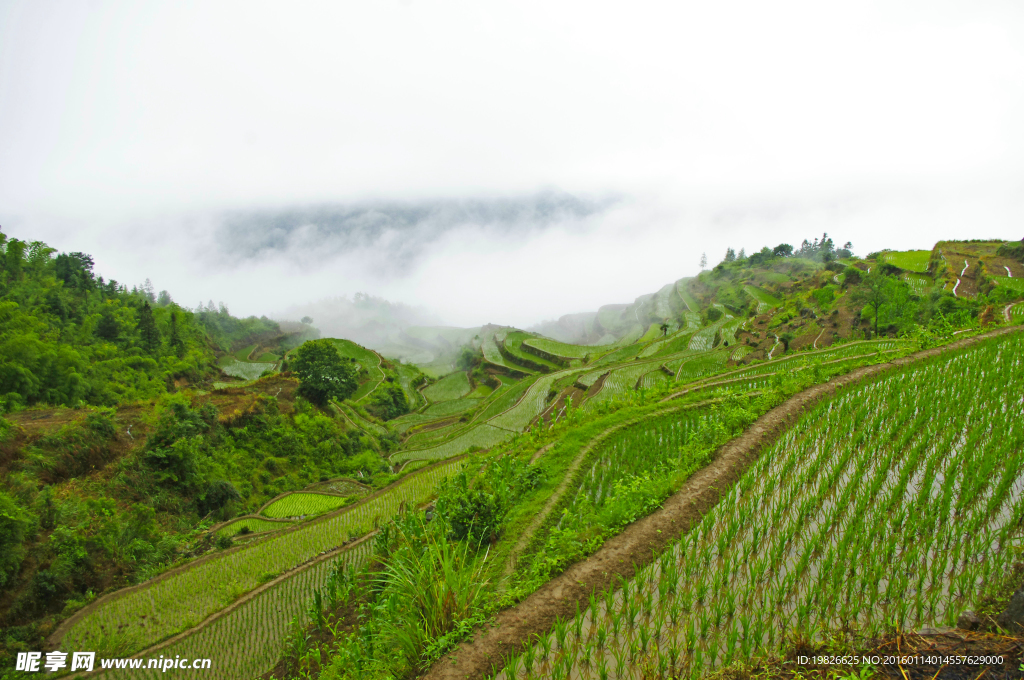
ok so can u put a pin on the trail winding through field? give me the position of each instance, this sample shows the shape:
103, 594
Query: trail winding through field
772, 350
641, 541
379, 360
815, 345
955, 287
1009, 274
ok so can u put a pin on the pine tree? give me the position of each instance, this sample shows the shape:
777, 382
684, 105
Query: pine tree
177, 344
149, 334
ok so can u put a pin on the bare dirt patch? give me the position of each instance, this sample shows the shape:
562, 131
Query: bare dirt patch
642, 540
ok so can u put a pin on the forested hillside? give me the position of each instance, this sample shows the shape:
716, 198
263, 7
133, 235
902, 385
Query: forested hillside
124, 441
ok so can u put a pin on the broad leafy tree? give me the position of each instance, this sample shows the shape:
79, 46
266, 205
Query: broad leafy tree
323, 373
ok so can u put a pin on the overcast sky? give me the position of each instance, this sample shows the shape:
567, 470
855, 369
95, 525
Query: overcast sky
502, 162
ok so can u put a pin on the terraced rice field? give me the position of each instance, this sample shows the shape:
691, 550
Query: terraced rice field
246, 370
343, 486
452, 386
701, 365
449, 408
703, 339
248, 640
357, 419
619, 355
403, 423
302, 503
1011, 283
654, 379
505, 399
910, 260
517, 418
483, 436
181, 600
895, 502
652, 334
491, 353
513, 345
243, 354
668, 345
567, 351
406, 374
684, 295
620, 381
919, 283
729, 330
765, 301
844, 351
1017, 312
254, 524
740, 352
427, 438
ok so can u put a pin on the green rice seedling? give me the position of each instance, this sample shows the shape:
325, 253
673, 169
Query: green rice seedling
529, 656
561, 628
545, 646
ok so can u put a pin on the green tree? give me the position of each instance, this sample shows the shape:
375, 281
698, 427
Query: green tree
323, 373
874, 292
468, 358
107, 328
852, 276
149, 334
388, 401
177, 344
15, 526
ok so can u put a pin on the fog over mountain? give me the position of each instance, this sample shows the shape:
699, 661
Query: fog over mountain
506, 164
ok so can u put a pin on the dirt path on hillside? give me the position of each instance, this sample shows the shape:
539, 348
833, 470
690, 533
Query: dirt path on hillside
642, 540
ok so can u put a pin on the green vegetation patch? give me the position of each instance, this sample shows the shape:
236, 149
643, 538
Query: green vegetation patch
682, 290
243, 354
910, 260
481, 436
452, 386
448, 408
304, 503
167, 606
765, 301
1011, 283
254, 525
566, 350
247, 370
